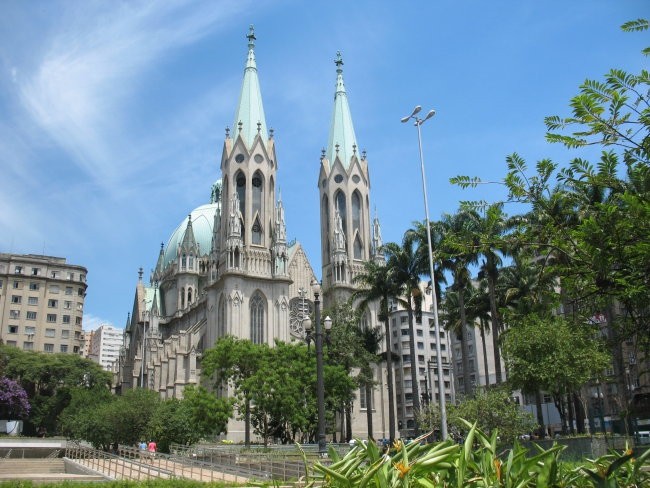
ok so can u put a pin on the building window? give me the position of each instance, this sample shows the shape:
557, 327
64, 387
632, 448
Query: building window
51, 317
34, 286
54, 288
16, 299
77, 321
0, 284
421, 346
80, 307
50, 333
18, 285
363, 399
30, 330
77, 335
12, 343
68, 290
13, 329
419, 333
67, 305
70, 276
66, 319
75, 349
80, 292
48, 347
257, 319
31, 315
82, 278
51, 303
65, 334
28, 346
406, 358
404, 319
63, 348
14, 314
18, 270
36, 271
405, 332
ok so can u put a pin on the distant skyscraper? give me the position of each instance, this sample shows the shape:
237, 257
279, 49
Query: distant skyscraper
105, 344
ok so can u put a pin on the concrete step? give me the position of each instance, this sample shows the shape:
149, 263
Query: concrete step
31, 466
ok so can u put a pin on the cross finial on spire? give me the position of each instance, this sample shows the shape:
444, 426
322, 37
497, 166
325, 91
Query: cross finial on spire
271, 130
259, 126
140, 273
354, 149
338, 62
251, 37
322, 153
337, 147
227, 132
240, 125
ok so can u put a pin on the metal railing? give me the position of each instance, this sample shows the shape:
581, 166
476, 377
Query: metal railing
132, 464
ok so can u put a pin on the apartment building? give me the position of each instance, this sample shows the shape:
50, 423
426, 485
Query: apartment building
105, 344
41, 303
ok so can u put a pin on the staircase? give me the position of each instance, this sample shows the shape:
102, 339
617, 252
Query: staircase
40, 470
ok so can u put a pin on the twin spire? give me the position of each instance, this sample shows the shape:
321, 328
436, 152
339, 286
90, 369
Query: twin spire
342, 141
249, 118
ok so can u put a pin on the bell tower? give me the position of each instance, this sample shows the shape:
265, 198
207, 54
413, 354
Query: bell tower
344, 191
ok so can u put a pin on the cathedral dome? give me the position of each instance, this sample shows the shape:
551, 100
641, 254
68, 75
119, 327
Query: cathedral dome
202, 225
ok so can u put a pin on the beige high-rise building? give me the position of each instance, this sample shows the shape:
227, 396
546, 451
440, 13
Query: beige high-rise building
41, 303
104, 345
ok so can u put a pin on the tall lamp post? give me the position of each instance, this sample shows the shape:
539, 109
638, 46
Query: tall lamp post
320, 382
441, 381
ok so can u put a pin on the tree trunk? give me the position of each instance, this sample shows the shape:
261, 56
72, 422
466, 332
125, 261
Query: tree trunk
368, 387
348, 423
415, 390
247, 423
540, 413
391, 393
496, 325
468, 388
485, 357
580, 413
569, 403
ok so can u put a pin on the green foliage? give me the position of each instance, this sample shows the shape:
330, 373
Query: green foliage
208, 414
48, 380
551, 354
491, 410
478, 462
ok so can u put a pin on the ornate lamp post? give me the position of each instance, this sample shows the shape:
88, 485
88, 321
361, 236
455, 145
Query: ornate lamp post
320, 383
441, 380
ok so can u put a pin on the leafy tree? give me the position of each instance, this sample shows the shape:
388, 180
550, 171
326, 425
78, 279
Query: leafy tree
491, 409
549, 353
208, 414
48, 380
232, 361
14, 404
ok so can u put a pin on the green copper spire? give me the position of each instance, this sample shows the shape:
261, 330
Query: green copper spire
342, 141
249, 118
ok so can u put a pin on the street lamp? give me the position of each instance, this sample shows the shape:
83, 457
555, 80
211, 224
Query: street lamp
441, 381
320, 383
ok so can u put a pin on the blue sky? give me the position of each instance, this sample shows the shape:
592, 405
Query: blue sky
112, 114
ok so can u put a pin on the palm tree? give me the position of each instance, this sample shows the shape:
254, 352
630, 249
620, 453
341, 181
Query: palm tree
370, 339
492, 246
376, 285
478, 308
458, 245
405, 267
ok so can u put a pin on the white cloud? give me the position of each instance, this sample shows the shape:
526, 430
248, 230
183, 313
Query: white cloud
80, 89
92, 322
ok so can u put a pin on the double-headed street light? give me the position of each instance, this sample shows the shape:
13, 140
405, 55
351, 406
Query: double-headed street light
320, 383
441, 381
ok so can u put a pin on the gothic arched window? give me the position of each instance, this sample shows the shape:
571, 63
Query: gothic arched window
257, 318
339, 198
189, 296
258, 194
356, 212
358, 247
326, 218
240, 184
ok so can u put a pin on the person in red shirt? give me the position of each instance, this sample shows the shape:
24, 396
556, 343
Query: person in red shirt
152, 447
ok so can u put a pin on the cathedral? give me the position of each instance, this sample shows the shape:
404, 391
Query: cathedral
228, 269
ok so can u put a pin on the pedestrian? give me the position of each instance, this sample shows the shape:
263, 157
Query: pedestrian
143, 449
152, 447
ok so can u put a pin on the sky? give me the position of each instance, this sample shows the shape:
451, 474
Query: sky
113, 113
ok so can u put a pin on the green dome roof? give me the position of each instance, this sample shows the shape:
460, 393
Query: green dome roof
202, 223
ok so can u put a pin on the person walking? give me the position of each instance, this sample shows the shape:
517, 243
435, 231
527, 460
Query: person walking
152, 447
143, 449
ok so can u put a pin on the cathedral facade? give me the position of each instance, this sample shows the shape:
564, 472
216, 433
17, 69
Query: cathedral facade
228, 269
